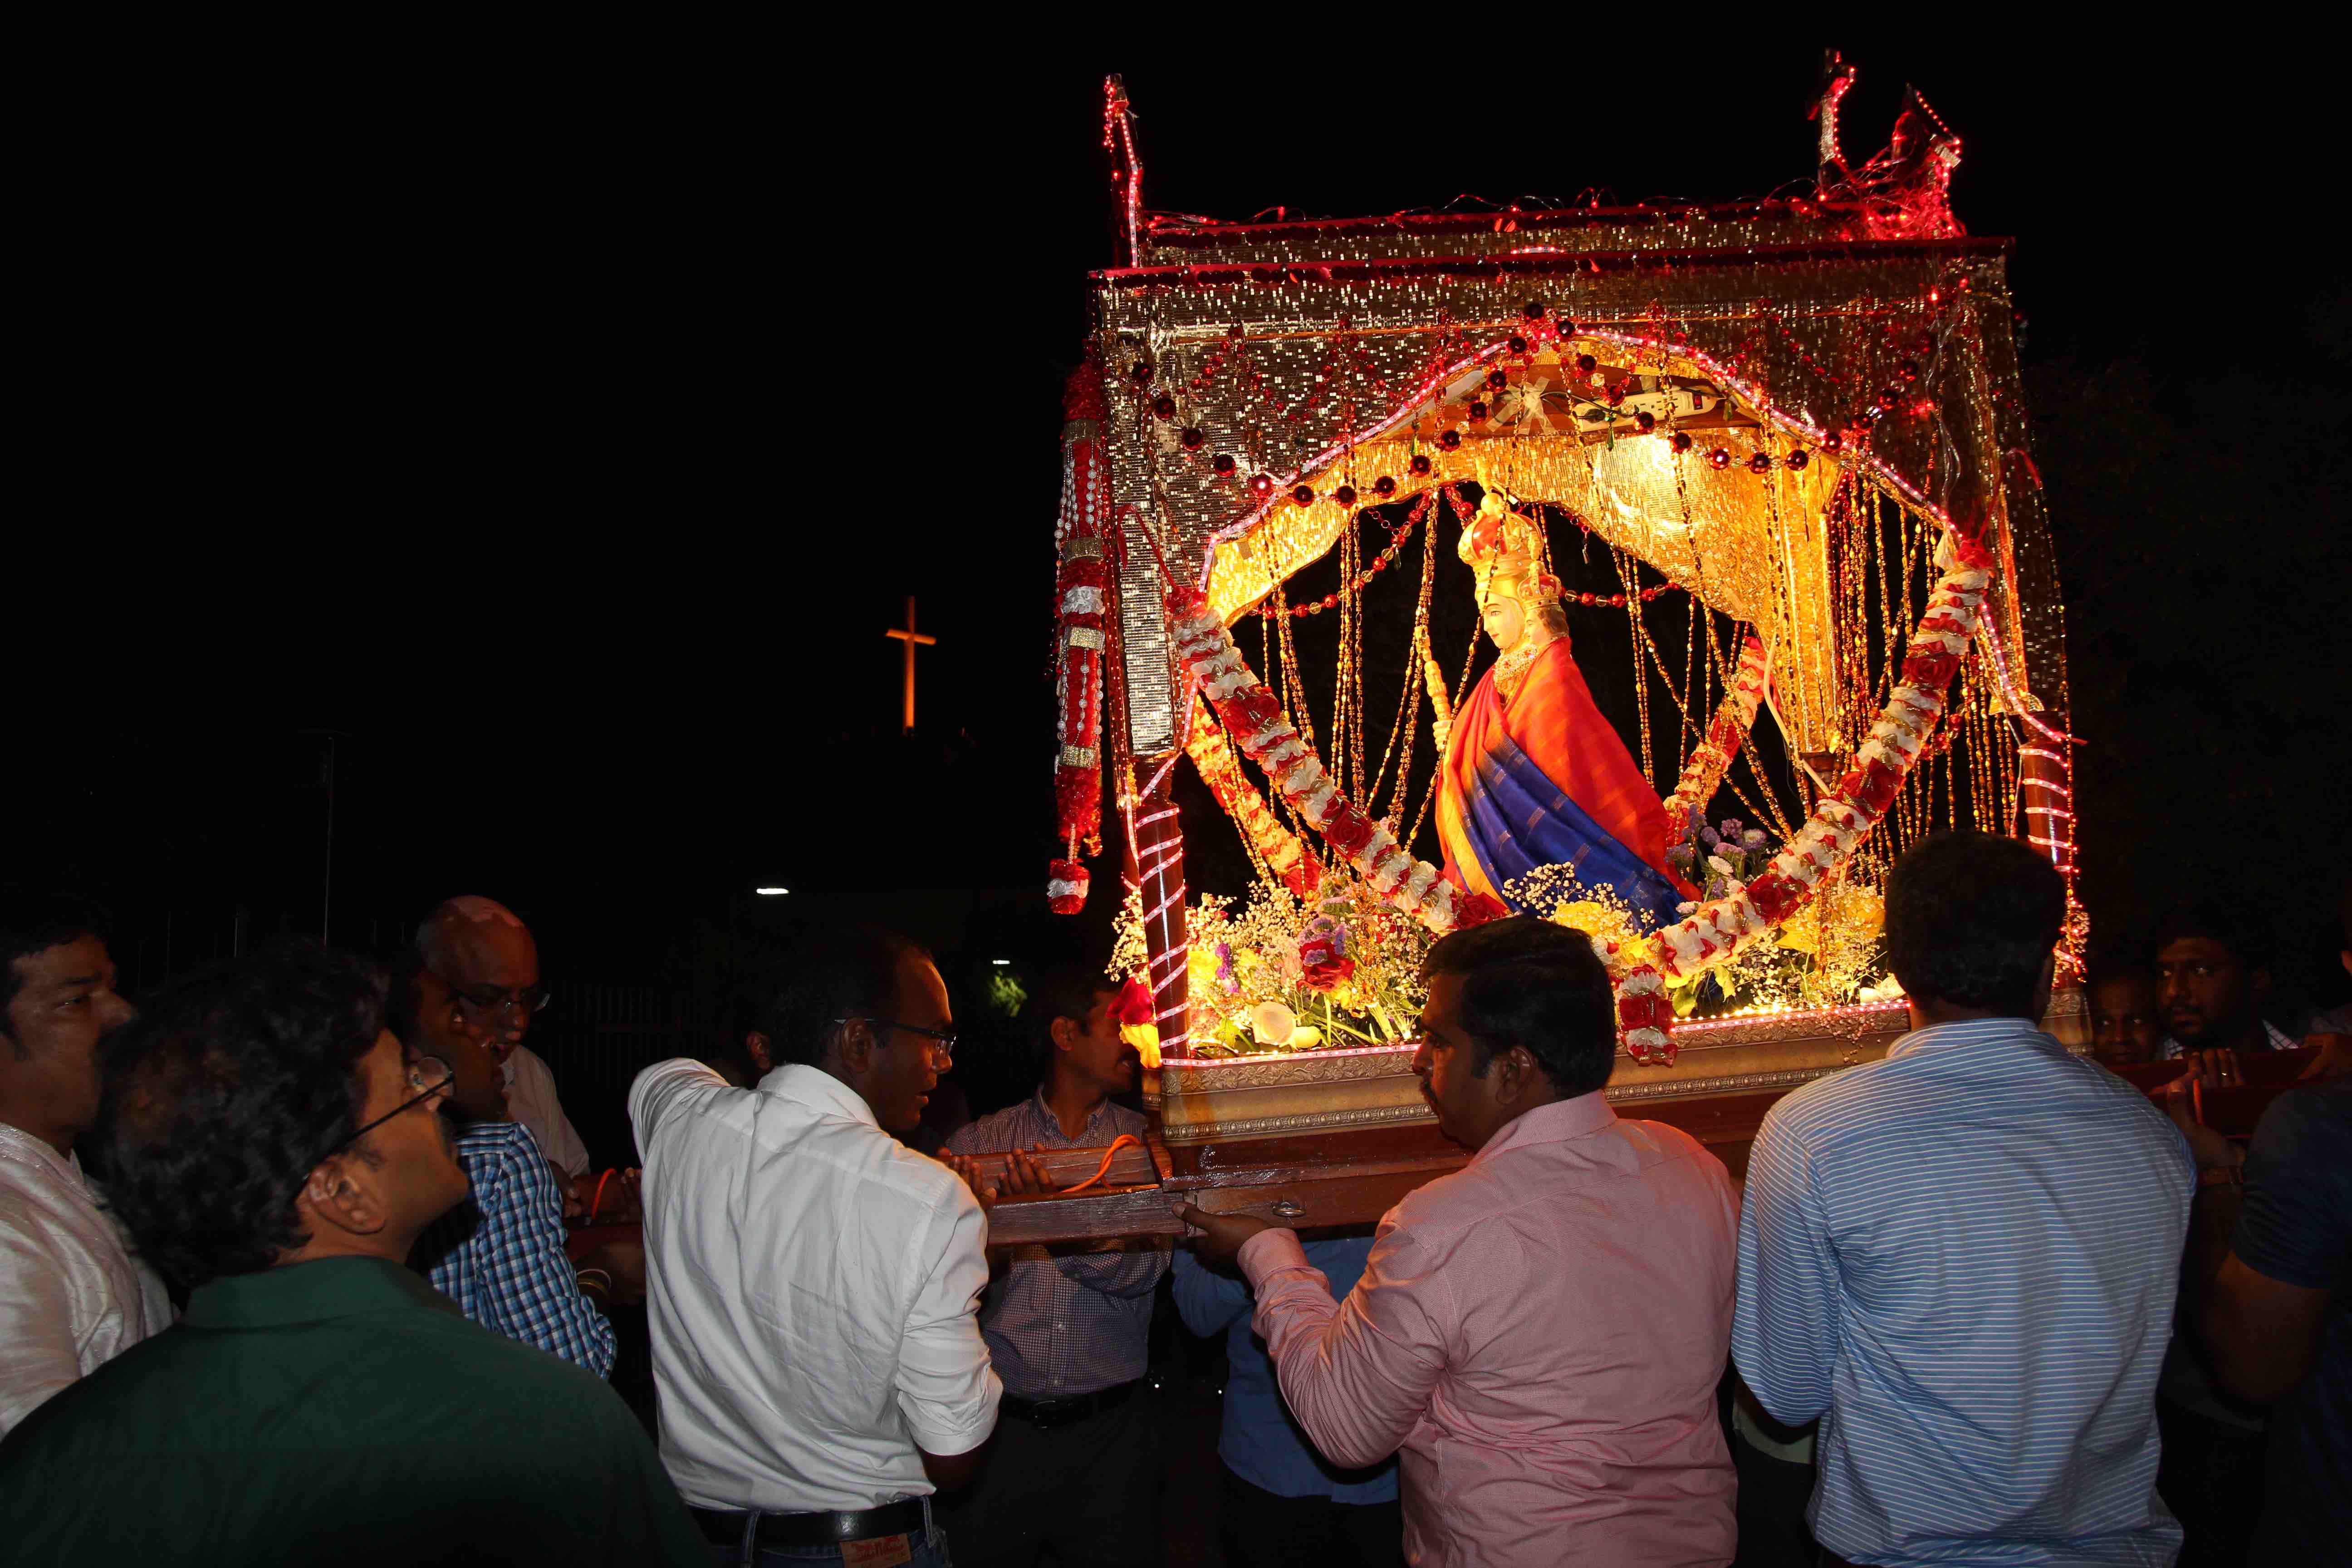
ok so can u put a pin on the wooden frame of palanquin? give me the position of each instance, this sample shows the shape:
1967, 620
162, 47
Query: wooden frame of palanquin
1799, 311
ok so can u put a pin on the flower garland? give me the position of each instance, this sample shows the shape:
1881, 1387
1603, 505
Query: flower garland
1083, 595
1711, 758
1275, 844
1722, 927
1250, 711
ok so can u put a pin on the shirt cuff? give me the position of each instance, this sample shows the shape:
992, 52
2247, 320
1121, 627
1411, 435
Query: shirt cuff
1270, 1252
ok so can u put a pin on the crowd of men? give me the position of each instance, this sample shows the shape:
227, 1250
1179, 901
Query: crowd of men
1982, 1300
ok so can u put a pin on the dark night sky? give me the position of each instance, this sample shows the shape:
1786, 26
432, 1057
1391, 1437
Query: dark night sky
566, 438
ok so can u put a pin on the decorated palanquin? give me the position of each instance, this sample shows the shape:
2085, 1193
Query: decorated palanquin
1790, 432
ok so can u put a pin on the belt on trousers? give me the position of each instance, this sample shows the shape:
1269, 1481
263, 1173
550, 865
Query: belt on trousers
724, 1527
1061, 1411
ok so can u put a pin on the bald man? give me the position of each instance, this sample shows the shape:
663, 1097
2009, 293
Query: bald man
488, 960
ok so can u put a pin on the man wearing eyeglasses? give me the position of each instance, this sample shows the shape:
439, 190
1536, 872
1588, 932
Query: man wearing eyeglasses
501, 1253
275, 1148
488, 959
811, 1282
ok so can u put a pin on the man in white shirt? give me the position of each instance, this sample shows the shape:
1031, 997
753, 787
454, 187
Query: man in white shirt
70, 1295
812, 1283
487, 958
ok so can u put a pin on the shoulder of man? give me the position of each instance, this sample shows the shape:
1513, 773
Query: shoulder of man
2306, 1132
492, 1152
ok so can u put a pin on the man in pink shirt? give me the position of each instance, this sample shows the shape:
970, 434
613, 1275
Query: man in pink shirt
1541, 1334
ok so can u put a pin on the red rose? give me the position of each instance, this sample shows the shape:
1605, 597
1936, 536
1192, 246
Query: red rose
1930, 665
1476, 910
1348, 830
1775, 897
1252, 710
1872, 786
1650, 1012
1322, 977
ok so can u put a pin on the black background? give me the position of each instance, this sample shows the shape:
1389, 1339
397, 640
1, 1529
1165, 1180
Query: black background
561, 424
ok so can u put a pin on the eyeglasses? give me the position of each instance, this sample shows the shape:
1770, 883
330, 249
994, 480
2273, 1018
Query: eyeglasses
427, 1076
530, 1000
946, 1038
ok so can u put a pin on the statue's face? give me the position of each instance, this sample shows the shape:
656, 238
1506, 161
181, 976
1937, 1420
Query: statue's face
1504, 621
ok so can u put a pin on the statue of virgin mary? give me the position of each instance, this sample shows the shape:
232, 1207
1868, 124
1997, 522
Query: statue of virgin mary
1532, 775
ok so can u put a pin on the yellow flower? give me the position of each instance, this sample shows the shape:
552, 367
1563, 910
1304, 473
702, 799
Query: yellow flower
1594, 919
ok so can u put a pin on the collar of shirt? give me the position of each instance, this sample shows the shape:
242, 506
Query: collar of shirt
19, 1145
1965, 1032
1052, 1124
820, 1091
1555, 1123
2273, 1040
310, 1293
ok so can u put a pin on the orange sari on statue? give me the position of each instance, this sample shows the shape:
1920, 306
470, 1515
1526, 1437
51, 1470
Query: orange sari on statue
1534, 775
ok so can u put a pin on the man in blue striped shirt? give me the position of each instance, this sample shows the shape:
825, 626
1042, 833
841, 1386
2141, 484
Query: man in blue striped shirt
1962, 1259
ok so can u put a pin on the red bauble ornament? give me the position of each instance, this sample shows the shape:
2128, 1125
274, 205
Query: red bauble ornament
1908, 370
1140, 372
1223, 463
1192, 438
1498, 379
1718, 458
1165, 408
1066, 886
1533, 310
1450, 439
1518, 345
1833, 442
1682, 441
1645, 421
1567, 328
1761, 463
1345, 495
1586, 364
1478, 412
1384, 486
1420, 465
1236, 331
1304, 495
1797, 460
1261, 484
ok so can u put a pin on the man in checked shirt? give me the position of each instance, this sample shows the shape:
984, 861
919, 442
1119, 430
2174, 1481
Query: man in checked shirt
500, 1255
1076, 1459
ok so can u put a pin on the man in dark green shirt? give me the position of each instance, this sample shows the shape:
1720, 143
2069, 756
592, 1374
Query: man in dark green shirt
274, 1150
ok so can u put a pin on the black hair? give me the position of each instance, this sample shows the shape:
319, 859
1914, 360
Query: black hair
1970, 918
1066, 991
221, 1097
2239, 929
2347, 917
33, 922
849, 973
1532, 983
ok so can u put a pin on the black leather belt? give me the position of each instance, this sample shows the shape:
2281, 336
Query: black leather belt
1061, 1411
724, 1527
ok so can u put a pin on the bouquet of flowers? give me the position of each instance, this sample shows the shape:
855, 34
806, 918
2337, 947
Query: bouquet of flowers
1285, 973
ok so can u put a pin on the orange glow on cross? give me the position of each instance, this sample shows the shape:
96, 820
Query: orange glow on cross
910, 637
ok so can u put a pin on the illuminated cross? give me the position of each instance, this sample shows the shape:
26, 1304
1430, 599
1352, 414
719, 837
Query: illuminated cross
910, 637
